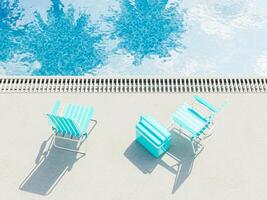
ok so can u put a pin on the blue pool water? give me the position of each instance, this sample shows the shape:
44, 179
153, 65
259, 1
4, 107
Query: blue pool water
133, 37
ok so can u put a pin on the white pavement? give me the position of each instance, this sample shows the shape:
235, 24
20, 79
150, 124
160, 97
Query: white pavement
232, 166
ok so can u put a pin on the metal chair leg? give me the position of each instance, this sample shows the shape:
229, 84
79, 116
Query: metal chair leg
79, 142
67, 149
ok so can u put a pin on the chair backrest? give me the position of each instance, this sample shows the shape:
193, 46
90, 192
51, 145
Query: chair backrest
75, 119
81, 115
64, 125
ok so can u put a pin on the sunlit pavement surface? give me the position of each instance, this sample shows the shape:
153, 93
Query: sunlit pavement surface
232, 165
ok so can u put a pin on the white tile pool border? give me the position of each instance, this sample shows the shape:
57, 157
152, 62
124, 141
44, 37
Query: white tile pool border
84, 84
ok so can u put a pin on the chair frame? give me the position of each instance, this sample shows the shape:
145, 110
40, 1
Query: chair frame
195, 139
79, 140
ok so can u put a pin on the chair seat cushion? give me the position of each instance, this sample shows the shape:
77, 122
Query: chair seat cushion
188, 118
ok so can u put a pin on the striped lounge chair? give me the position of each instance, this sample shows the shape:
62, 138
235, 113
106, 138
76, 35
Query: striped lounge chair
71, 125
193, 122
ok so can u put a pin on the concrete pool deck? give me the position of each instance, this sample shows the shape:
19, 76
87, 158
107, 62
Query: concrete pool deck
232, 165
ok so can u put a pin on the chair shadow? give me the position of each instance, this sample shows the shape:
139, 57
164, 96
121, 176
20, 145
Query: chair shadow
51, 165
141, 158
181, 151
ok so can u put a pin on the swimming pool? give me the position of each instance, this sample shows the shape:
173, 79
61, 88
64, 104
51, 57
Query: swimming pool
133, 37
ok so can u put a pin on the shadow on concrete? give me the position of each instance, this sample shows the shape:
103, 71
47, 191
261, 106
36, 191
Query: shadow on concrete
141, 158
181, 151
51, 165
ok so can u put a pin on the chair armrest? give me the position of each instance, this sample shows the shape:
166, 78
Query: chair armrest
206, 104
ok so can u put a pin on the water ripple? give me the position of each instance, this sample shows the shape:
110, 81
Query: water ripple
147, 28
10, 14
63, 45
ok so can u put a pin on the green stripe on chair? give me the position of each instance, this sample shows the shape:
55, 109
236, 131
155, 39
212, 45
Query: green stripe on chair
57, 124
73, 128
64, 125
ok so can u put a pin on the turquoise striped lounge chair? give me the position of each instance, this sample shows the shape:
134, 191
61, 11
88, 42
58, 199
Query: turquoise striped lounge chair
193, 120
72, 124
